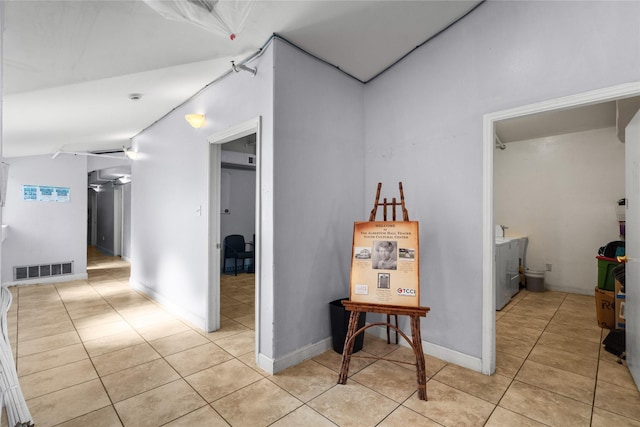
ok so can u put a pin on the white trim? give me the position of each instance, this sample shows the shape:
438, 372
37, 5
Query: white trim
452, 356
117, 220
265, 363
93, 205
212, 302
434, 350
257, 244
276, 365
50, 279
570, 290
488, 354
488, 300
243, 129
168, 305
280, 364
234, 132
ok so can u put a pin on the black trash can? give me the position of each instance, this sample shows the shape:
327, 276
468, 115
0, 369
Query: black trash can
340, 325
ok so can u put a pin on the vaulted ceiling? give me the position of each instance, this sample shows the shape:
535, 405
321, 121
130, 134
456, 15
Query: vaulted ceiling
69, 67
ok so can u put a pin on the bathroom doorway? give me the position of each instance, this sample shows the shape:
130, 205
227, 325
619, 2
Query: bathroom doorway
489, 138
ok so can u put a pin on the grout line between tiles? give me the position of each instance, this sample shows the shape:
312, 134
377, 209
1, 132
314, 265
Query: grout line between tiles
17, 301
513, 379
148, 342
597, 364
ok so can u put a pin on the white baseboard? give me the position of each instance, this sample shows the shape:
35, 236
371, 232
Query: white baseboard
50, 279
442, 353
274, 366
265, 363
187, 315
302, 354
570, 290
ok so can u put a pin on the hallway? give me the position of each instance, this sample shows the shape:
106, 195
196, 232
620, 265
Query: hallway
96, 353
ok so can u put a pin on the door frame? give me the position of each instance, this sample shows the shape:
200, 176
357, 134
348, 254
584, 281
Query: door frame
632, 272
213, 288
488, 362
93, 221
117, 220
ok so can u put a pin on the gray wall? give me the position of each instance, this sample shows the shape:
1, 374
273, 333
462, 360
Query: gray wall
169, 200
307, 160
327, 141
46, 232
318, 193
423, 126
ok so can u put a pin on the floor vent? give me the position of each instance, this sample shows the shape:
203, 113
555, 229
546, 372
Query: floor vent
43, 270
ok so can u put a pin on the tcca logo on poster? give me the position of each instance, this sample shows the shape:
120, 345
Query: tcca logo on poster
404, 292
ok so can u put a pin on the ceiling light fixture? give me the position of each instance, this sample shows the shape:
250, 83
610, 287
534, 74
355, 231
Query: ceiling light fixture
195, 120
132, 155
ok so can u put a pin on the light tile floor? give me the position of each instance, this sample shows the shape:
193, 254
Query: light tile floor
96, 353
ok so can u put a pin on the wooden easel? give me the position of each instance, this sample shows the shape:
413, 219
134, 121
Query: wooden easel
414, 313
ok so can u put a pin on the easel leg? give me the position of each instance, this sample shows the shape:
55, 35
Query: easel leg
420, 364
388, 333
395, 318
348, 347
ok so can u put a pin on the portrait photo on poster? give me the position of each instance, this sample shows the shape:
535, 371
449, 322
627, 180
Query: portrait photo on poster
384, 280
385, 256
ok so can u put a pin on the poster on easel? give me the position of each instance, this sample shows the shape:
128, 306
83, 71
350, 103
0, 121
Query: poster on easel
385, 267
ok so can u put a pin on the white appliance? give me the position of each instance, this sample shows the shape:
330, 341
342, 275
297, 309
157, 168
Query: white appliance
508, 254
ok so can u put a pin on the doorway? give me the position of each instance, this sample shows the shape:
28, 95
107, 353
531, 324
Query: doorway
489, 138
92, 217
243, 137
109, 210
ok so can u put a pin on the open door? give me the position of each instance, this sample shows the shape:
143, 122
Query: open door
632, 274
213, 295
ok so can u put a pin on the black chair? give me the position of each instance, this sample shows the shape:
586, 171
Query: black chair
236, 248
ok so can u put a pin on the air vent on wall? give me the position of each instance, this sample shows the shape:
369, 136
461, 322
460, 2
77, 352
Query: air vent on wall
234, 159
42, 270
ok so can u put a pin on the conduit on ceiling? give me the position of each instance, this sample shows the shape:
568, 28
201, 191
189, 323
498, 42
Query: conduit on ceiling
221, 16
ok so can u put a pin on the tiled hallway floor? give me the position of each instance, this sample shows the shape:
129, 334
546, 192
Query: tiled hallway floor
96, 353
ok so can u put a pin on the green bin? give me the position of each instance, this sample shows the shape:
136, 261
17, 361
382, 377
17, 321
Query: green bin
605, 276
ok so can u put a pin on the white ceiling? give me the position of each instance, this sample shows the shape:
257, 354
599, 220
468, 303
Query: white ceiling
582, 118
69, 66
550, 123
